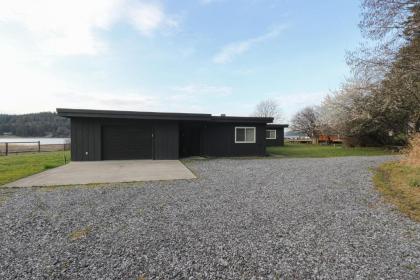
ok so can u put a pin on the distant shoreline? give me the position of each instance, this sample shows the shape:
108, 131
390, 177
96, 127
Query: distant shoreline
40, 137
43, 140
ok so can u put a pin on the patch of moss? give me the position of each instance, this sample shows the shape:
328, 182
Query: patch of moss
415, 183
80, 233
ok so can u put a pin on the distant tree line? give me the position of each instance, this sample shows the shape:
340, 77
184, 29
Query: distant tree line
379, 104
45, 124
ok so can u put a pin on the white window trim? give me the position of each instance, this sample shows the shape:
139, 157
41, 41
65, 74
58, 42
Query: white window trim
245, 127
275, 134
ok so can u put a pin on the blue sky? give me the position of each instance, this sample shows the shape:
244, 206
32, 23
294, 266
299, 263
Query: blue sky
210, 56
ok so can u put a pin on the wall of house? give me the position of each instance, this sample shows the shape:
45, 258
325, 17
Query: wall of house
86, 137
166, 140
218, 140
279, 141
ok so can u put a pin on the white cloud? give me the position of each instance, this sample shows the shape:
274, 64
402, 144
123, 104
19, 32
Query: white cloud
232, 50
30, 91
69, 27
147, 17
111, 100
202, 89
290, 103
205, 2
62, 27
34, 33
27, 87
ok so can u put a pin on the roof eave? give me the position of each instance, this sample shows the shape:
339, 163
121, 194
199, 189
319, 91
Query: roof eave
242, 119
82, 113
87, 113
277, 125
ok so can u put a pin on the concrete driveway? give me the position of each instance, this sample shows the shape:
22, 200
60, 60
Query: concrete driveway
112, 171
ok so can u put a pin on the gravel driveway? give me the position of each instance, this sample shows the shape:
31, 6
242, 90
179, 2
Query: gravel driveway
241, 219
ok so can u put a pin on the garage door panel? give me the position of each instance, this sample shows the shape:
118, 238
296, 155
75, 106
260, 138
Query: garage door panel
127, 142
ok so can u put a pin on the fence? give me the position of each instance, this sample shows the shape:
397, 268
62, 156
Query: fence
8, 148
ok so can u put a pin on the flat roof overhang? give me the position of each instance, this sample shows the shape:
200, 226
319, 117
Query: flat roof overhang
87, 113
275, 125
232, 119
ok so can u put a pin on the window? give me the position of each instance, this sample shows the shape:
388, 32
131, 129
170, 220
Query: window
244, 134
270, 134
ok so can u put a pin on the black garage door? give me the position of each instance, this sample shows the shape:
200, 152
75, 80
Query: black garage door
127, 142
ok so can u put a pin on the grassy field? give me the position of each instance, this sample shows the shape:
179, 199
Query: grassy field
400, 185
310, 150
14, 167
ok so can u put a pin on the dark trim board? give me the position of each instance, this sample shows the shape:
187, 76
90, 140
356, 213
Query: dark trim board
102, 135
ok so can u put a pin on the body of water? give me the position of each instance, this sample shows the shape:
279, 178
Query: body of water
44, 141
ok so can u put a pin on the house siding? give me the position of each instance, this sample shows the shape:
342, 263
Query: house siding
218, 140
279, 141
86, 137
213, 138
166, 140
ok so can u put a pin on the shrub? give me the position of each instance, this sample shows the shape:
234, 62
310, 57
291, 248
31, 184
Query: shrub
413, 151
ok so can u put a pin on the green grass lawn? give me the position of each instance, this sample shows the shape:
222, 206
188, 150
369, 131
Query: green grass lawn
400, 185
14, 167
311, 150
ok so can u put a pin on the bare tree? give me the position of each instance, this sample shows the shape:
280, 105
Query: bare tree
390, 25
268, 109
307, 121
380, 103
382, 18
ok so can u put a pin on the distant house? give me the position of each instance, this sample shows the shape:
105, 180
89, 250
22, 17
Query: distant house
115, 135
275, 134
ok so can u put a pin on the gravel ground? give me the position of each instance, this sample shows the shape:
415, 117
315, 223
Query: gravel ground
241, 219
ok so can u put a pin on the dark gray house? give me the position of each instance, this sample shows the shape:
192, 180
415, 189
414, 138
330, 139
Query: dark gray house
114, 135
275, 134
